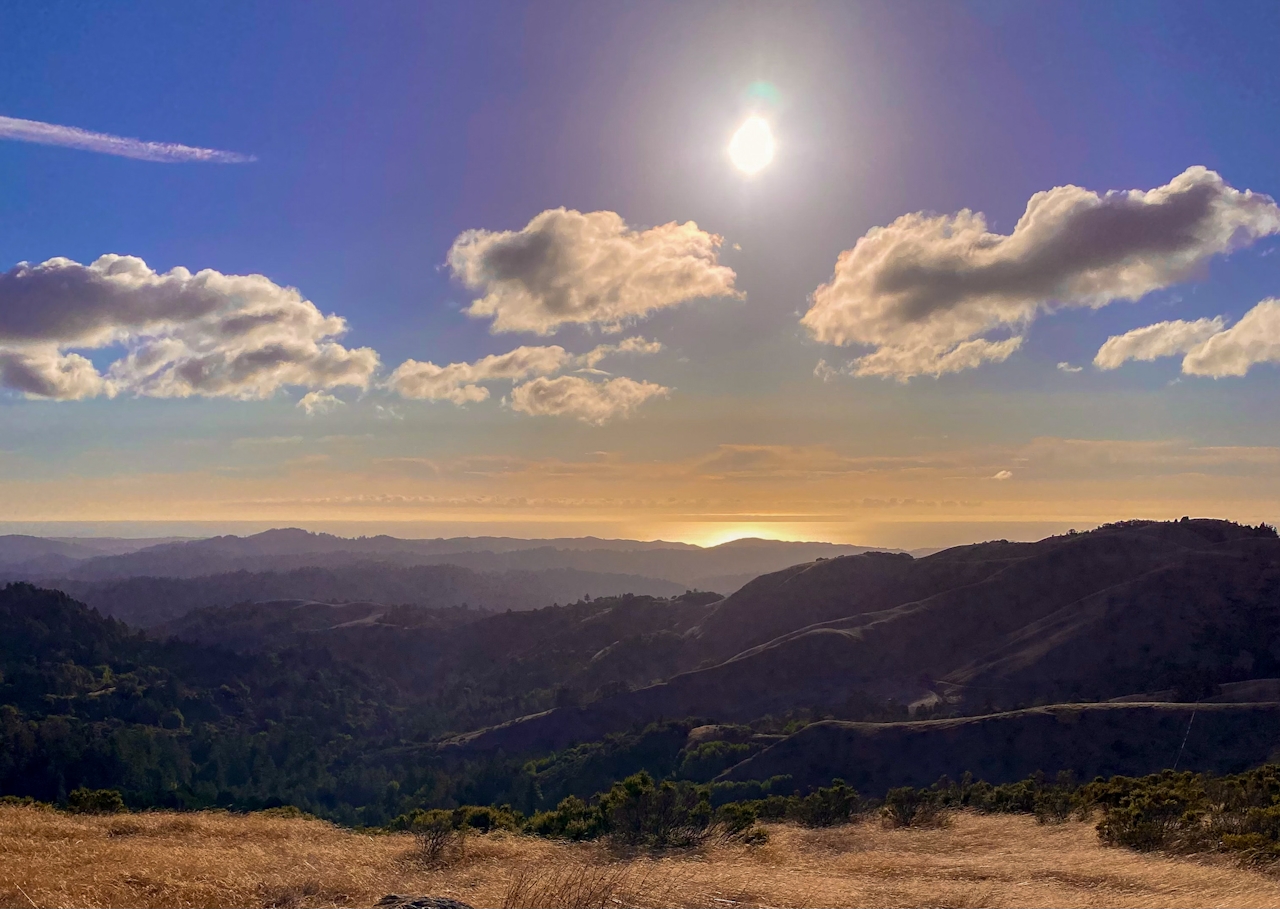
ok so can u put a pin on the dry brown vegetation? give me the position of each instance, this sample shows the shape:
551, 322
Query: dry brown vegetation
217, 859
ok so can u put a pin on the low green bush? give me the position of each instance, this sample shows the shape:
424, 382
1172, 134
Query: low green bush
908, 807
1183, 812
95, 801
640, 812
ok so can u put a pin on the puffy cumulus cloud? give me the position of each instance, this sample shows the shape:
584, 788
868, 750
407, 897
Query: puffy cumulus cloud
317, 402
920, 288
184, 333
1163, 339
43, 372
592, 402
459, 382
1254, 339
1210, 349
569, 267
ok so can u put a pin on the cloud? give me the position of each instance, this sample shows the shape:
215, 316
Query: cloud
630, 345
1254, 339
73, 137
925, 286
458, 382
183, 334
1003, 475
903, 362
43, 372
1064, 366
1209, 348
1162, 339
567, 267
592, 402
317, 402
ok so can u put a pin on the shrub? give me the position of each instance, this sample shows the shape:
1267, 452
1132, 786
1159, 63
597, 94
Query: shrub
95, 801
436, 835
485, 819
711, 758
836, 804
737, 820
1055, 804
908, 807
637, 812
572, 819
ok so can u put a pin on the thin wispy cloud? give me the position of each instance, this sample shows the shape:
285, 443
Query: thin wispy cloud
104, 143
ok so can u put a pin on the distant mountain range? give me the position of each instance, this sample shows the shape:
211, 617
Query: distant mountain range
42, 554
141, 585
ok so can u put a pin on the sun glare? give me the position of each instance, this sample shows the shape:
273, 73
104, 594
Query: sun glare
715, 533
752, 146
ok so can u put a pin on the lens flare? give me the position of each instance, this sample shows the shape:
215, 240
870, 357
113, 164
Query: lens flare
752, 146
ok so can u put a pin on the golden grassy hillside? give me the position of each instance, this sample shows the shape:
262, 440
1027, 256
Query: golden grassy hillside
218, 859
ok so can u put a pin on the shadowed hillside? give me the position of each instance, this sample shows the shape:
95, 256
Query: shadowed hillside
150, 601
1133, 607
929, 663
1089, 740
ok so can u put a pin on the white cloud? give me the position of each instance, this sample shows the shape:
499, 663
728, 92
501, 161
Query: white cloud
209, 334
902, 363
459, 382
1254, 339
567, 267
1064, 366
42, 372
925, 286
591, 402
630, 345
1163, 339
1003, 475
1209, 348
73, 137
317, 402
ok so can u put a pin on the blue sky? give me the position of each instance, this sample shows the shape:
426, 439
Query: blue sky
382, 132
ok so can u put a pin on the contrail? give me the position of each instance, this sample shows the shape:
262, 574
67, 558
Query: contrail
72, 137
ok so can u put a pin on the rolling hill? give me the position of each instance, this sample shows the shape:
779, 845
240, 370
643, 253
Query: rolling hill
1134, 607
1091, 652
150, 601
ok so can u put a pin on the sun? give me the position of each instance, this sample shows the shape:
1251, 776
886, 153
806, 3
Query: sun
752, 146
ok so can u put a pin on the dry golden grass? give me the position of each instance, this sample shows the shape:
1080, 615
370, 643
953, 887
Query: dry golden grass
218, 859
